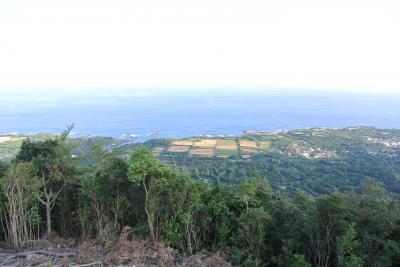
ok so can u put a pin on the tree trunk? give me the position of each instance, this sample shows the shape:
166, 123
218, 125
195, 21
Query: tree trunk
48, 217
150, 220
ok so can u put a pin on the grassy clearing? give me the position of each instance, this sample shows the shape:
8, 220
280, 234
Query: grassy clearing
226, 153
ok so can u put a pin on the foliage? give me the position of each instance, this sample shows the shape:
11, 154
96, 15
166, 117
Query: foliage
255, 223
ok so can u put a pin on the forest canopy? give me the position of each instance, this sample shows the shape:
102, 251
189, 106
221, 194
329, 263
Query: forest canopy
45, 190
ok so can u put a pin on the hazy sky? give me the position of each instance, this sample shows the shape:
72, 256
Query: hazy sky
336, 44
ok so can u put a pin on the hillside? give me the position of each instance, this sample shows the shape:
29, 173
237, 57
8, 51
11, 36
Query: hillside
318, 160
102, 202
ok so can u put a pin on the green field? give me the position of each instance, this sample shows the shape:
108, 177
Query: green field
226, 153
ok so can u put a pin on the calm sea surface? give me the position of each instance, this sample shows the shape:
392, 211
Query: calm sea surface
190, 113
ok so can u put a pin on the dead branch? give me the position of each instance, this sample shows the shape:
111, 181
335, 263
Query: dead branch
38, 252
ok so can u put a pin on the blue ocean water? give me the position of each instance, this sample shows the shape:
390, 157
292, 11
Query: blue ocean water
192, 112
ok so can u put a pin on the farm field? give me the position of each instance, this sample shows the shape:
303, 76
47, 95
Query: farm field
178, 149
182, 143
202, 152
209, 143
226, 153
212, 147
249, 144
227, 144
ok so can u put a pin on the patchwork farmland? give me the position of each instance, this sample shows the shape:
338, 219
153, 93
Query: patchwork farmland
211, 147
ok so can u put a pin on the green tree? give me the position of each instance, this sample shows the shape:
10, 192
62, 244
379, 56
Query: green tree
104, 188
253, 226
347, 246
19, 209
55, 165
143, 170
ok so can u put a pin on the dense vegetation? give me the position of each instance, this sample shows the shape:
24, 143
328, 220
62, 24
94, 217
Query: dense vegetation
356, 154
45, 189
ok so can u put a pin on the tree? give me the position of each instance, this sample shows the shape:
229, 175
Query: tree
346, 248
104, 188
54, 163
378, 220
195, 219
143, 169
326, 221
253, 229
21, 191
3, 168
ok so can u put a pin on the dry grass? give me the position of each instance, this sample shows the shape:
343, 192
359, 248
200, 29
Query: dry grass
182, 143
227, 147
178, 149
202, 152
215, 260
5, 139
205, 143
127, 252
249, 144
229, 142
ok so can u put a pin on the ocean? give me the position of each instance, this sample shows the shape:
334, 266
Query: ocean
183, 113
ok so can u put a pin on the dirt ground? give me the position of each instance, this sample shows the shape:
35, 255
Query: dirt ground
122, 252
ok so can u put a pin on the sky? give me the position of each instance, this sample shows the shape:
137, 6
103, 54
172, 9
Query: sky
315, 44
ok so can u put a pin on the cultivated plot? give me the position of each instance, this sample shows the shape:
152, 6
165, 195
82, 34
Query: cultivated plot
205, 143
227, 144
178, 149
182, 143
202, 152
249, 144
226, 153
